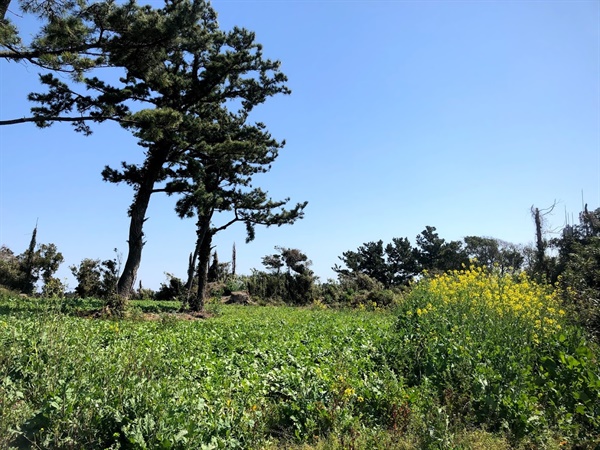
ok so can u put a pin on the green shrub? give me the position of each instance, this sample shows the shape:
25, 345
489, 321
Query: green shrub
234, 284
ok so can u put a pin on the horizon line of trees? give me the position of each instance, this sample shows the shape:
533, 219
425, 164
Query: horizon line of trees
392, 265
373, 274
397, 263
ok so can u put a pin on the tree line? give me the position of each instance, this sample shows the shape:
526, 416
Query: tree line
374, 272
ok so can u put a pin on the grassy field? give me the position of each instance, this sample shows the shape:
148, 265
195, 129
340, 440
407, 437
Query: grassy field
466, 361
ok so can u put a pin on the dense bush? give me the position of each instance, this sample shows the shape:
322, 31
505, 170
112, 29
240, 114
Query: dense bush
96, 278
22, 272
357, 290
287, 288
172, 289
577, 268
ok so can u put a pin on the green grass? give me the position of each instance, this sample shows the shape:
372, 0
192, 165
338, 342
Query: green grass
250, 377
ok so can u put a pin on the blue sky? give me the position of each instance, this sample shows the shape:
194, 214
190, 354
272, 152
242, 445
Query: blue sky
455, 114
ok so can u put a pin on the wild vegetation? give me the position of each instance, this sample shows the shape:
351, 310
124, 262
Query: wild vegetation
465, 360
473, 343
481, 356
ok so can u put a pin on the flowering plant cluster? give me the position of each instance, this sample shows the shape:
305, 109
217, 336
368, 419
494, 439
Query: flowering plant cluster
500, 352
517, 297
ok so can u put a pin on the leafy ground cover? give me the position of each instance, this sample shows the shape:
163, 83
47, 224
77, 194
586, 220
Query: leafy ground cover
443, 371
240, 380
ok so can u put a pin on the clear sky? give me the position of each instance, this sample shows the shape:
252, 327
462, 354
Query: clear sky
455, 114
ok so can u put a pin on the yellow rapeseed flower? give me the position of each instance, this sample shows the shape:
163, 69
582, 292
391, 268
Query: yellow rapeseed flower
476, 289
348, 392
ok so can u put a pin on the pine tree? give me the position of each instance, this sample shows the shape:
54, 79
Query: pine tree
215, 180
213, 270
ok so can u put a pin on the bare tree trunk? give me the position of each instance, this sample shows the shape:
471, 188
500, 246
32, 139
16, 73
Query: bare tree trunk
190, 276
203, 247
541, 267
539, 240
137, 212
233, 260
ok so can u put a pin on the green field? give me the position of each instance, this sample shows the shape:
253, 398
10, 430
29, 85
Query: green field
281, 377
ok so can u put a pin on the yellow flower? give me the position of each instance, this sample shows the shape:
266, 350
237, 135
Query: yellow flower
348, 392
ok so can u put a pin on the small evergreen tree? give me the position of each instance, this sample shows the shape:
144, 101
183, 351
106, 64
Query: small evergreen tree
213, 270
97, 279
436, 255
89, 278
296, 286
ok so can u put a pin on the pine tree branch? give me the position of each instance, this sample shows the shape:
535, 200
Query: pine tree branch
16, 55
63, 119
166, 190
228, 224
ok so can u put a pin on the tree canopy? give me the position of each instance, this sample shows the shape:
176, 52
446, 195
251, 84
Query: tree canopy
398, 262
577, 266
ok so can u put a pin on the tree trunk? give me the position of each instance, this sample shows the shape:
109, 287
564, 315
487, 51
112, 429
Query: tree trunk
204, 242
3, 8
137, 212
233, 260
200, 231
135, 242
203, 263
190, 276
